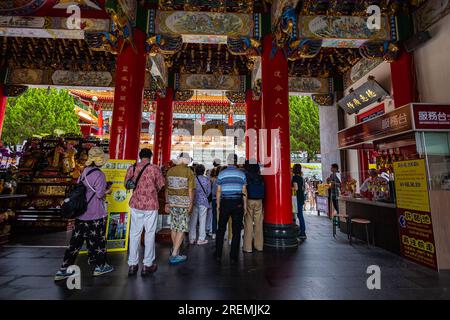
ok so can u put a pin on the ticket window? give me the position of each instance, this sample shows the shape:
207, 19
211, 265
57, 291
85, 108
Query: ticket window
435, 148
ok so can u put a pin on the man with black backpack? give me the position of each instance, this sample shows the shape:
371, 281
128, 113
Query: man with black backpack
254, 215
146, 180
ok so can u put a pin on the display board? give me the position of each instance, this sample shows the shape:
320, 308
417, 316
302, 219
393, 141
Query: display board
118, 219
413, 212
322, 204
118, 223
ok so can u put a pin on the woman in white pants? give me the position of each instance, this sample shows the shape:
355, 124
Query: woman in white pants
201, 206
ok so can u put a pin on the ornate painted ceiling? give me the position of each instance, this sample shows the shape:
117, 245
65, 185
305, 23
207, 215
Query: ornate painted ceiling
208, 59
207, 44
239, 6
329, 62
54, 54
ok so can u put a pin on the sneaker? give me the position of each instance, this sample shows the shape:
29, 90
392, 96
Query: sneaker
302, 236
200, 242
192, 242
106, 268
177, 259
62, 274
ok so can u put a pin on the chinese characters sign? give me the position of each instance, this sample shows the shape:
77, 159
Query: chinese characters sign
392, 123
364, 96
118, 223
413, 212
411, 185
118, 219
431, 117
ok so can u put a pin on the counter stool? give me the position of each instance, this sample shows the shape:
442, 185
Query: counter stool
366, 224
336, 219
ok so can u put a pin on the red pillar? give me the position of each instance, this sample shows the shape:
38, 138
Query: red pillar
100, 120
162, 138
128, 96
403, 75
279, 230
3, 99
253, 121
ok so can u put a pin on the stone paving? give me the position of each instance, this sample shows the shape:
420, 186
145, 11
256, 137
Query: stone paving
321, 268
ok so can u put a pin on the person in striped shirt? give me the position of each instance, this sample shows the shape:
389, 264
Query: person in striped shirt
231, 199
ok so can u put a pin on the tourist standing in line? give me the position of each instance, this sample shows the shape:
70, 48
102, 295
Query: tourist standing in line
144, 207
298, 183
210, 230
180, 185
335, 186
231, 201
253, 219
91, 225
201, 206
214, 174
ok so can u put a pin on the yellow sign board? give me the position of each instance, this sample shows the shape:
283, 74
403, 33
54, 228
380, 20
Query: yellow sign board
118, 219
411, 186
118, 223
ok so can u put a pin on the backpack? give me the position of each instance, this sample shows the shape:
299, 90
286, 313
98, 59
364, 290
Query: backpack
76, 204
131, 184
255, 186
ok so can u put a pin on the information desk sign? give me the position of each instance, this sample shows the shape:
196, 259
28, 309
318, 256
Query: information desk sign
413, 212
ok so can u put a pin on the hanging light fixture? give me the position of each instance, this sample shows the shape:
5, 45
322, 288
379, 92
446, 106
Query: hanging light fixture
152, 111
203, 114
231, 116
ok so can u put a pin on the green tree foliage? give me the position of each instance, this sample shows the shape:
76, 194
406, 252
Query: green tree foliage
304, 125
39, 112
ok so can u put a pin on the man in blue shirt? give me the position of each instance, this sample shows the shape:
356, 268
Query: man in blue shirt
231, 198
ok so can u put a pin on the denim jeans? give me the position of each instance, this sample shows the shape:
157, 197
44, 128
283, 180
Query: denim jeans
301, 219
198, 216
214, 216
335, 204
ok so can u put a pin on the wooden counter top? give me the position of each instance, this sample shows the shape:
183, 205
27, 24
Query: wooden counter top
369, 202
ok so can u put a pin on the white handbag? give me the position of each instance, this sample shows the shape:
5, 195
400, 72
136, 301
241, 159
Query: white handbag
294, 205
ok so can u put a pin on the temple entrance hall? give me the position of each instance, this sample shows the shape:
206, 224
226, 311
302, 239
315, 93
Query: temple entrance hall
323, 128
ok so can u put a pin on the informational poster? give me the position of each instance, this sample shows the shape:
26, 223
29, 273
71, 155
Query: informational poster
413, 212
117, 204
322, 204
411, 186
118, 223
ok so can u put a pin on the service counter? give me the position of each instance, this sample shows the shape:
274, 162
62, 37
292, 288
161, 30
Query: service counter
383, 217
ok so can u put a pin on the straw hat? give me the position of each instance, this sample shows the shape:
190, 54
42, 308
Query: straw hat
97, 156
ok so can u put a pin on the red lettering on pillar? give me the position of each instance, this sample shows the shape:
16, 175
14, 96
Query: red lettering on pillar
253, 121
128, 98
163, 129
275, 102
